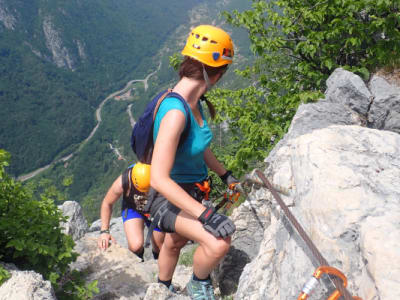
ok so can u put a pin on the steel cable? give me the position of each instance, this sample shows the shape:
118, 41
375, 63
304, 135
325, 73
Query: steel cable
322, 261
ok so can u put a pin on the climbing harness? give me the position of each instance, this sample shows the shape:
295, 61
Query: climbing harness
230, 197
338, 279
155, 222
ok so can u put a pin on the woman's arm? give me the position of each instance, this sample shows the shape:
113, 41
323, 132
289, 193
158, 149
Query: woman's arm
213, 163
112, 196
171, 127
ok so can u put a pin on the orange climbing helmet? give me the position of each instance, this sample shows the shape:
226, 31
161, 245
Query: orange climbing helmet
210, 45
141, 177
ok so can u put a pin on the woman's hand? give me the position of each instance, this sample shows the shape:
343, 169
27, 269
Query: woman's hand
218, 225
103, 242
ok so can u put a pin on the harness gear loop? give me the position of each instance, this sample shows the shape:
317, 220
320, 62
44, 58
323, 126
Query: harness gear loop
321, 270
205, 188
314, 250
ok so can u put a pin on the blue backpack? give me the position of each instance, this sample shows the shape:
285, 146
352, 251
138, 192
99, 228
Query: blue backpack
142, 133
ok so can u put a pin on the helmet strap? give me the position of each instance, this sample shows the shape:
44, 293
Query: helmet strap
206, 79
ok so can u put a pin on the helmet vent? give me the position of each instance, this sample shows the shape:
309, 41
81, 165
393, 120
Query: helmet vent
209, 45
227, 53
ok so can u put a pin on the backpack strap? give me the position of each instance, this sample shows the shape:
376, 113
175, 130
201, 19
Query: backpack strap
185, 133
170, 93
159, 102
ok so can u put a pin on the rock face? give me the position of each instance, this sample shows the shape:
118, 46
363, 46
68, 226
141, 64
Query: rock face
385, 108
119, 272
61, 57
343, 188
76, 226
25, 285
8, 20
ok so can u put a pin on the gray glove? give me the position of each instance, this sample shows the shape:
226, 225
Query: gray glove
228, 178
218, 225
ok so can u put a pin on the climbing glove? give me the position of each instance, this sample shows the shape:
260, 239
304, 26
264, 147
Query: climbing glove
228, 178
217, 224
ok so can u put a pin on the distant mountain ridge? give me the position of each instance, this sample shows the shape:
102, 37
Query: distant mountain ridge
58, 59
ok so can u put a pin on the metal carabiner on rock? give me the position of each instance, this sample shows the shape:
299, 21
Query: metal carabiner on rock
310, 285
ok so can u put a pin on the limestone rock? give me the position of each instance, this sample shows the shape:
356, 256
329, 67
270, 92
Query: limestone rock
61, 56
348, 89
25, 285
76, 225
9, 21
116, 229
385, 108
160, 292
120, 273
341, 179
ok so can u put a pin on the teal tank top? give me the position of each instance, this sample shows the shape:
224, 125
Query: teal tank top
189, 165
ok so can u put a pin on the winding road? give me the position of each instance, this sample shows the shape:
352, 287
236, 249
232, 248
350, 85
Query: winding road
98, 118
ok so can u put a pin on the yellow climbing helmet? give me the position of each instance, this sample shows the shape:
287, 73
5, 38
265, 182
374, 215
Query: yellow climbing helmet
141, 177
210, 45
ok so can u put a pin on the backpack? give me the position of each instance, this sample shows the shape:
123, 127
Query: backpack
142, 133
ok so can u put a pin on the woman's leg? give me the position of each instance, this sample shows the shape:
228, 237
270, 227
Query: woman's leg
211, 249
134, 234
157, 239
169, 255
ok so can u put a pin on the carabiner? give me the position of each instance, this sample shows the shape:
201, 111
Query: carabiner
231, 196
310, 285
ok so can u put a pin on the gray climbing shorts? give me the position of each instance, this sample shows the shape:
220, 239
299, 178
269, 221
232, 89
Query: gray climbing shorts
158, 204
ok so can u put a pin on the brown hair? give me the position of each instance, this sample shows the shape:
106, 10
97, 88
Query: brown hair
193, 69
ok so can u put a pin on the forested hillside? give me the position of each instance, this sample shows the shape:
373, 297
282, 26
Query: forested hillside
128, 51
58, 59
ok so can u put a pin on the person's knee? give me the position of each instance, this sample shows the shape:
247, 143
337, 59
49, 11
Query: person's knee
175, 246
157, 240
135, 246
218, 249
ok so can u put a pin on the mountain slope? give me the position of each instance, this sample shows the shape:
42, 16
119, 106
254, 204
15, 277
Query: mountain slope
58, 59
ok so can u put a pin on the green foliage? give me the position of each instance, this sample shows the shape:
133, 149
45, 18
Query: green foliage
31, 235
298, 44
74, 287
175, 60
4, 275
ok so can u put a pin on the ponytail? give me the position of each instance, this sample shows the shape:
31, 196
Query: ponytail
210, 106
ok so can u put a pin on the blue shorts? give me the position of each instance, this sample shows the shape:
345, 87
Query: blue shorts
129, 213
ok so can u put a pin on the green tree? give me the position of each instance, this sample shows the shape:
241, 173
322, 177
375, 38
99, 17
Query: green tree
298, 44
31, 236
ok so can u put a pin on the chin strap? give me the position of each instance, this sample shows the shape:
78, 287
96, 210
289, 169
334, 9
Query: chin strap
206, 79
